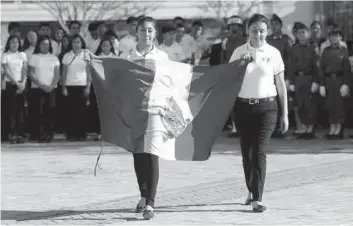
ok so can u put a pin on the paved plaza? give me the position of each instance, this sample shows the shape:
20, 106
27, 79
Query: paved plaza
308, 182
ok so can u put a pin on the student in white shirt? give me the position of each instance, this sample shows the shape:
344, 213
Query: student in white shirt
14, 64
146, 165
169, 46
187, 43
45, 30
93, 39
44, 72
129, 42
256, 105
76, 81
113, 38
74, 28
59, 36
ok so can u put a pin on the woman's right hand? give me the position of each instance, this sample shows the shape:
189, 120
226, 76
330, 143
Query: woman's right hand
65, 91
322, 91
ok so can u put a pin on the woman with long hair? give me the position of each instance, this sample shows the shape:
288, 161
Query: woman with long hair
146, 165
14, 63
44, 72
76, 85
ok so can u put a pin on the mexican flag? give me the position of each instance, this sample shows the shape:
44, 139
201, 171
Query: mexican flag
173, 110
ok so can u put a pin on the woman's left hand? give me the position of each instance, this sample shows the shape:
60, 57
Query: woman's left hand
344, 90
284, 123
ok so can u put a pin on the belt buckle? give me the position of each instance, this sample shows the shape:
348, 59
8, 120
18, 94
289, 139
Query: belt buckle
253, 101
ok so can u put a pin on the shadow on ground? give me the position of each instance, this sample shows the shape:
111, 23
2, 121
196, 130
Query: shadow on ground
15, 215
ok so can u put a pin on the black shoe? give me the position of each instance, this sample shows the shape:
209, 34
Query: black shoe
302, 136
310, 136
350, 136
12, 140
49, 139
259, 208
148, 214
42, 139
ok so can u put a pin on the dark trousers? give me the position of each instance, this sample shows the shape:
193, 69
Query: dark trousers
334, 101
60, 109
306, 100
15, 110
147, 174
42, 113
76, 112
255, 124
4, 117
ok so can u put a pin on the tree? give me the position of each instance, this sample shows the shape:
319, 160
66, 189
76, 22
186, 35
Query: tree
221, 8
86, 11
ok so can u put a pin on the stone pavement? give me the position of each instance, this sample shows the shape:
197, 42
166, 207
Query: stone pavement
308, 182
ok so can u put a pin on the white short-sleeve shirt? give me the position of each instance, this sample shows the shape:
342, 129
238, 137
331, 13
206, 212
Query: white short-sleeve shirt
76, 69
154, 54
189, 45
44, 65
259, 79
175, 51
15, 62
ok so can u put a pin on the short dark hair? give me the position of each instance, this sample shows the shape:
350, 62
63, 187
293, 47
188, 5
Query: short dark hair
178, 18
180, 26
131, 19
83, 43
92, 26
40, 40
74, 22
44, 24
110, 33
167, 28
336, 31
197, 23
13, 25
314, 23
257, 18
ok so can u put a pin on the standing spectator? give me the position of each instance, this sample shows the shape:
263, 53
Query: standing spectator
74, 28
111, 35
335, 79
59, 35
316, 36
169, 46
202, 46
30, 44
13, 29
106, 47
44, 71
45, 30
76, 80
236, 37
14, 63
101, 29
303, 79
216, 49
128, 43
93, 38
284, 44
187, 43
330, 25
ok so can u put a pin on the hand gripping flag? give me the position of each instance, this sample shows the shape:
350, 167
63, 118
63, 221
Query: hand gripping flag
173, 110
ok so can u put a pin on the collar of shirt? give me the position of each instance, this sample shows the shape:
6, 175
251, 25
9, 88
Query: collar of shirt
260, 49
153, 51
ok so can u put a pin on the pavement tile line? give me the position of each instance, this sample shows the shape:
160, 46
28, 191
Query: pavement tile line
199, 194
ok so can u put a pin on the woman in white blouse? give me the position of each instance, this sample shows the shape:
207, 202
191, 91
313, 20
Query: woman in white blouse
14, 64
256, 106
76, 85
44, 72
146, 165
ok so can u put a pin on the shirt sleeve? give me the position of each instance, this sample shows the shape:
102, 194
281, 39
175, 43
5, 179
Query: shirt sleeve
235, 55
66, 59
278, 64
23, 56
5, 58
32, 60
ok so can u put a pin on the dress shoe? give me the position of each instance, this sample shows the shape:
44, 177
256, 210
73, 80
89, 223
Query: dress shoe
258, 207
148, 213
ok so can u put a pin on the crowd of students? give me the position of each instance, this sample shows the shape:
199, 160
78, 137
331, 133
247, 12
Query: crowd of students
46, 84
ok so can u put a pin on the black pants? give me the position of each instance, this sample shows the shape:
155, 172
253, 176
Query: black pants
334, 102
60, 110
42, 113
147, 174
76, 112
4, 117
255, 124
15, 110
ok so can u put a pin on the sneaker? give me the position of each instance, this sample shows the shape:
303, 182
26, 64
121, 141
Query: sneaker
148, 213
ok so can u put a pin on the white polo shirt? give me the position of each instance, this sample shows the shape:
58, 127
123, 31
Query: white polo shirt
259, 79
15, 63
76, 69
154, 54
175, 51
44, 65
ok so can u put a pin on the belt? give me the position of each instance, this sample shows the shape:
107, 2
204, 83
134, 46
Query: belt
252, 101
334, 75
